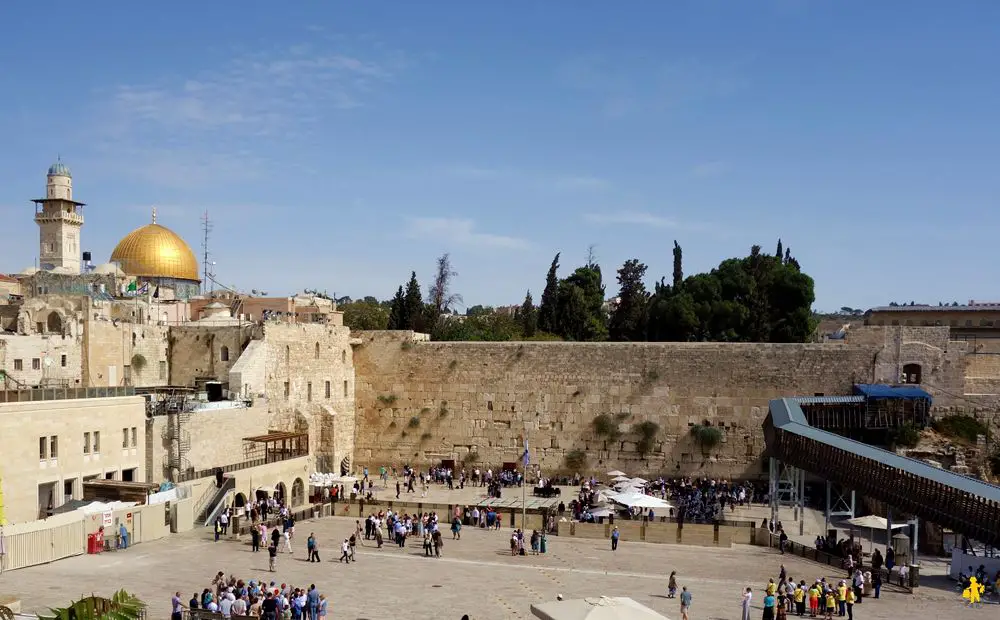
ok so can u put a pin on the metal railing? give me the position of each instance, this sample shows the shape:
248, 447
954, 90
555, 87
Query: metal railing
273, 457
64, 393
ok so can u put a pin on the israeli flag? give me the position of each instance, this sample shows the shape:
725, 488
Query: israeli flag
527, 458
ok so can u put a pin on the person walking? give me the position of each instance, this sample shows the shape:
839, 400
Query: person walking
254, 539
685, 603
345, 552
311, 549
615, 535
745, 604
272, 556
672, 585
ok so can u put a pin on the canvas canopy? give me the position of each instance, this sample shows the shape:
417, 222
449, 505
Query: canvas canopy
873, 522
616, 472
602, 608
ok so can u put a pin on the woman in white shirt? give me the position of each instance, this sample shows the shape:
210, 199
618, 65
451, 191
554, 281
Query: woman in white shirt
747, 597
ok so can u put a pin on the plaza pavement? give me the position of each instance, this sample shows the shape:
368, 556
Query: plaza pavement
476, 576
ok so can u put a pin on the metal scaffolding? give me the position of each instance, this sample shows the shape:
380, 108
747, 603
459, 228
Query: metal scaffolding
787, 485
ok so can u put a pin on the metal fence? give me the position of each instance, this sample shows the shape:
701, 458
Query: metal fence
64, 393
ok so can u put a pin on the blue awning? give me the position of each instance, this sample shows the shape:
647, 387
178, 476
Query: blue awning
875, 390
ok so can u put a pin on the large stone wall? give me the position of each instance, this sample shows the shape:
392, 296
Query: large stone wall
111, 349
215, 438
421, 402
206, 352
301, 361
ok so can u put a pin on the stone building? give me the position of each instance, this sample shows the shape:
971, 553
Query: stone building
52, 448
971, 321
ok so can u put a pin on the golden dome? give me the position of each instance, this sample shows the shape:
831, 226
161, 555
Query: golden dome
154, 251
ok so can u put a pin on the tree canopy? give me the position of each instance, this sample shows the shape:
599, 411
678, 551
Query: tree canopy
761, 297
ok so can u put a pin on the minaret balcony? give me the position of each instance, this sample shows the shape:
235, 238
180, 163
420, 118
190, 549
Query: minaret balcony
62, 216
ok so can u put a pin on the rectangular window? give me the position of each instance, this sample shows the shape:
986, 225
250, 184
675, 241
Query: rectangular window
135, 437
309, 392
62, 361
86, 443
36, 364
124, 437
345, 389
53, 447
97, 442
43, 448
327, 390
18, 364
163, 370
288, 390
127, 374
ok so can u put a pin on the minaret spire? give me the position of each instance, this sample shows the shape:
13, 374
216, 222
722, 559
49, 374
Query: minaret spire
154, 215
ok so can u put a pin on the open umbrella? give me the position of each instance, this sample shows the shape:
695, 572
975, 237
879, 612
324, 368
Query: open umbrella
620, 479
873, 522
615, 472
603, 608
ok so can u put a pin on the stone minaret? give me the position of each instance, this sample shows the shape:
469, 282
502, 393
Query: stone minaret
59, 220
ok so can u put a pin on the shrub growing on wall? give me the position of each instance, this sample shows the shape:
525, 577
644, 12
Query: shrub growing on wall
707, 436
575, 460
605, 427
138, 362
906, 436
960, 426
647, 437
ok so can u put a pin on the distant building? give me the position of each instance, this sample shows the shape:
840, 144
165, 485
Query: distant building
976, 319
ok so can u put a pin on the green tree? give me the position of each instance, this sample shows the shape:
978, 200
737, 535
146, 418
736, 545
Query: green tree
365, 315
478, 309
397, 310
490, 326
627, 322
547, 305
758, 298
580, 306
441, 296
414, 312
678, 264
527, 316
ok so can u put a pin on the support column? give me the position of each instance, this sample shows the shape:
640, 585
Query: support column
773, 488
829, 508
802, 502
916, 537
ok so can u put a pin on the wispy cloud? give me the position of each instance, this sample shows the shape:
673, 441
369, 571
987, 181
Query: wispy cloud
622, 86
206, 123
710, 169
557, 181
460, 231
631, 218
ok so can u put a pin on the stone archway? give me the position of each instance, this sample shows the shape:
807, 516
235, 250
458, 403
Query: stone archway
298, 492
281, 492
54, 323
240, 500
912, 373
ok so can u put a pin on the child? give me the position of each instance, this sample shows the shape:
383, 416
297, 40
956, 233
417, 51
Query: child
831, 604
672, 585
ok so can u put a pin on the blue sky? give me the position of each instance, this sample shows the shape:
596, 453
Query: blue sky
339, 145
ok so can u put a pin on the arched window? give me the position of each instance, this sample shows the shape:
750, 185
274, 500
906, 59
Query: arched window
912, 373
317, 350
240, 501
298, 492
54, 323
224, 354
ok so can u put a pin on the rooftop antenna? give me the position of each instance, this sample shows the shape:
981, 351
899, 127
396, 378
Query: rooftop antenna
207, 279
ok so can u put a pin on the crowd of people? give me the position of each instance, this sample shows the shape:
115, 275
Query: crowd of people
253, 598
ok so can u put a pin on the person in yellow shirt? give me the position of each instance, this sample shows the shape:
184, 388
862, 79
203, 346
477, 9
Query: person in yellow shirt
842, 599
814, 594
800, 599
771, 587
831, 604
851, 598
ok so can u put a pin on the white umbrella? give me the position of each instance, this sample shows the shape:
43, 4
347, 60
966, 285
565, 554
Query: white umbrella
620, 479
615, 472
873, 522
639, 481
603, 608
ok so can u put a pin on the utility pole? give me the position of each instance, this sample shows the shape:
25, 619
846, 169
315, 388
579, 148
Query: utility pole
206, 226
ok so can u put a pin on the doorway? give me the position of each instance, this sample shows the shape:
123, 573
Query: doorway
46, 499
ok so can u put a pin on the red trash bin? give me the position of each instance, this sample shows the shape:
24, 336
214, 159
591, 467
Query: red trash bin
91, 543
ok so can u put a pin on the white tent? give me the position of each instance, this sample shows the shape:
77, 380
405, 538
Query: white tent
639, 481
872, 523
620, 479
638, 500
616, 472
603, 608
